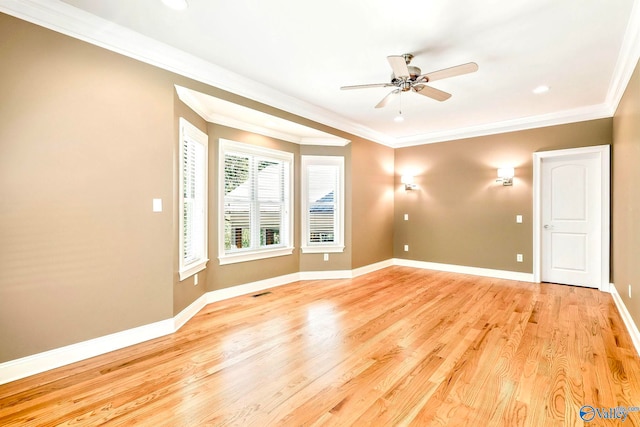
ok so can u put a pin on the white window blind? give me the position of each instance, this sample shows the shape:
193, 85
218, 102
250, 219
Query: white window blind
193, 199
323, 203
257, 220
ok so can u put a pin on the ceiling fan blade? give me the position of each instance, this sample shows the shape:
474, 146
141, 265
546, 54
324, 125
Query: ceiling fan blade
366, 86
431, 92
399, 66
458, 70
384, 101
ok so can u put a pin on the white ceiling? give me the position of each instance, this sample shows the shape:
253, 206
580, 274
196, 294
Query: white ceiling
295, 55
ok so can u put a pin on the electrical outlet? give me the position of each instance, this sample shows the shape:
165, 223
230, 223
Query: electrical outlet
519, 257
406, 248
195, 280
326, 257
406, 217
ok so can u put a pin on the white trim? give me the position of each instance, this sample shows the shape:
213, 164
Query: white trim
591, 112
370, 268
476, 271
66, 19
337, 163
627, 60
209, 107
321, 249
188, 131
222, 120
41, 362
603, 151
334, 141
626, 318
326, 275
192, 268
250, 288
233, 258
287, 232
345, 274
188, 312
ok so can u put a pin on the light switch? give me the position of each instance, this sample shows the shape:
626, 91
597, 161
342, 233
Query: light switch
157, 205
406, 217
406, 248
519, 219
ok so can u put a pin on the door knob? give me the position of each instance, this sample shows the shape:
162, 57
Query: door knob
548, 227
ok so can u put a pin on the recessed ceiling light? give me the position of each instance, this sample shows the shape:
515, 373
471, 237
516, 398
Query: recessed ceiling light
541, 89
398, 118
176, 4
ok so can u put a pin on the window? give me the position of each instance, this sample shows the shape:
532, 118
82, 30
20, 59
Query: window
322, 204
193, 199
255, 188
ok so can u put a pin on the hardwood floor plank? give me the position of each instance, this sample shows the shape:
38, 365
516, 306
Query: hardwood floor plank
399, 346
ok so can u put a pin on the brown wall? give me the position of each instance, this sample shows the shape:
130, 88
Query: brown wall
459, 215
87, 139
626, 197
372, 202
86, 143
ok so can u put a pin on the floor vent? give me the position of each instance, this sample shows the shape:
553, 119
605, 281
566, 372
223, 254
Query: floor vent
259, 295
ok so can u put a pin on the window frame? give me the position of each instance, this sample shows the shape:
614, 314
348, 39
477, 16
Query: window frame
287, 233
338, 244
195, 135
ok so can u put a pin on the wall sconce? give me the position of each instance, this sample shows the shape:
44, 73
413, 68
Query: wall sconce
505, 176
407, 180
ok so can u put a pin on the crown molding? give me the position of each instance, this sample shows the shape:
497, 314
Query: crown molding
627, 60
71, 21
66, 19
208, 113
592, 112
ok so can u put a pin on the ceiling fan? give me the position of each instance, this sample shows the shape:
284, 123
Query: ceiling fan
406, 78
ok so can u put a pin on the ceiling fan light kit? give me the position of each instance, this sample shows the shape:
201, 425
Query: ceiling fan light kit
409, 78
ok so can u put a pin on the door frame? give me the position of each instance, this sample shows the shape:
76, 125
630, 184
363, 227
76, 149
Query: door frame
603, 152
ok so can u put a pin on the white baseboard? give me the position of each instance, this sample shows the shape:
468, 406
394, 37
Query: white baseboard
345, 274
191, 310
41, 362
476, 271
626, 318
371, 268
249, 288
326, 275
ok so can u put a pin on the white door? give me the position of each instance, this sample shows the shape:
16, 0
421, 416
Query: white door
571, 219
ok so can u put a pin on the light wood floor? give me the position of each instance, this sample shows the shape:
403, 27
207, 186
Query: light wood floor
396, 347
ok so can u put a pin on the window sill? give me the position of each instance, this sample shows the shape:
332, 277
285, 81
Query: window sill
192, 269
321, 249
252, 256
